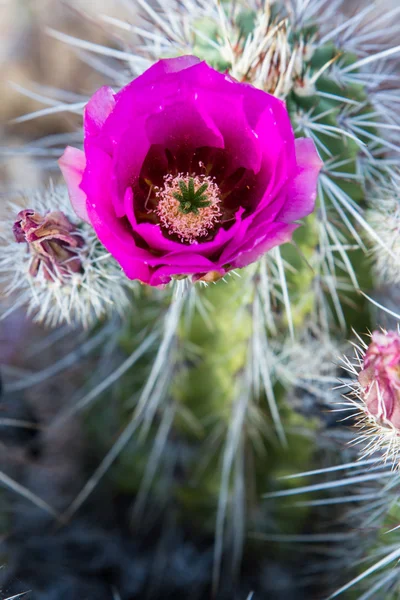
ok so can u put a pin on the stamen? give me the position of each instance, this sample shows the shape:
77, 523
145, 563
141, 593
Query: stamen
189, 206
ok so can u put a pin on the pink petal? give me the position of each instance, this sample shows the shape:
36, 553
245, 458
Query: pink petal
157, 73
228, 114
303, 190
253, 248
184, 125
114, 233
99, 107
153, 236
72, 165
127, 162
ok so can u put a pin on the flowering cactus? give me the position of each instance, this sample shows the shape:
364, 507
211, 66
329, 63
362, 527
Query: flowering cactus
247, 146
235, 142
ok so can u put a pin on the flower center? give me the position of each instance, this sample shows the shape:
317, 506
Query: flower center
188, 206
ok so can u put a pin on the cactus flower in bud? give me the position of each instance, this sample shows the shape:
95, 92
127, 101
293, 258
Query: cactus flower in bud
379, 378
51, 241
59, 271
186, 171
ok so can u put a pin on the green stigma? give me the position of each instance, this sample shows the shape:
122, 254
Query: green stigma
189, 198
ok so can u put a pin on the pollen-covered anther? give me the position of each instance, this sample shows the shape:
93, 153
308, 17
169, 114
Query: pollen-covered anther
189, 206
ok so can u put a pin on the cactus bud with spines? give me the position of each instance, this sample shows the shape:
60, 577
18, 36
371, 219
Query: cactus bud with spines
374, 393
51, 243
55, 267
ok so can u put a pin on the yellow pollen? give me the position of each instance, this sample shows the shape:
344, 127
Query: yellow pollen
188, 226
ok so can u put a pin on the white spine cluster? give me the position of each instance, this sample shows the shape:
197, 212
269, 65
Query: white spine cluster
384, 218
80, 298
376, 437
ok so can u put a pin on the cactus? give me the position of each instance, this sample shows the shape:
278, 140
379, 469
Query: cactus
223, 385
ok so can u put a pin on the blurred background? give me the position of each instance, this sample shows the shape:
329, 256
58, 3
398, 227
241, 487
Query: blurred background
31, 59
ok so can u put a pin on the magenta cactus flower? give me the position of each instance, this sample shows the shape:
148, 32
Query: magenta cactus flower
379, 378
185, 171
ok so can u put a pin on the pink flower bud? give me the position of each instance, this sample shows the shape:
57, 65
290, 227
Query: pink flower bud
52, 242
379, 378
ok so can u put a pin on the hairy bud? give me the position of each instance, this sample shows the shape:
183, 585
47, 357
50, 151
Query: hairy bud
380, 377
52, 243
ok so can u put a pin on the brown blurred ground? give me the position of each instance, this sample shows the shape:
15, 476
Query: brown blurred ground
30, 57
28, 54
